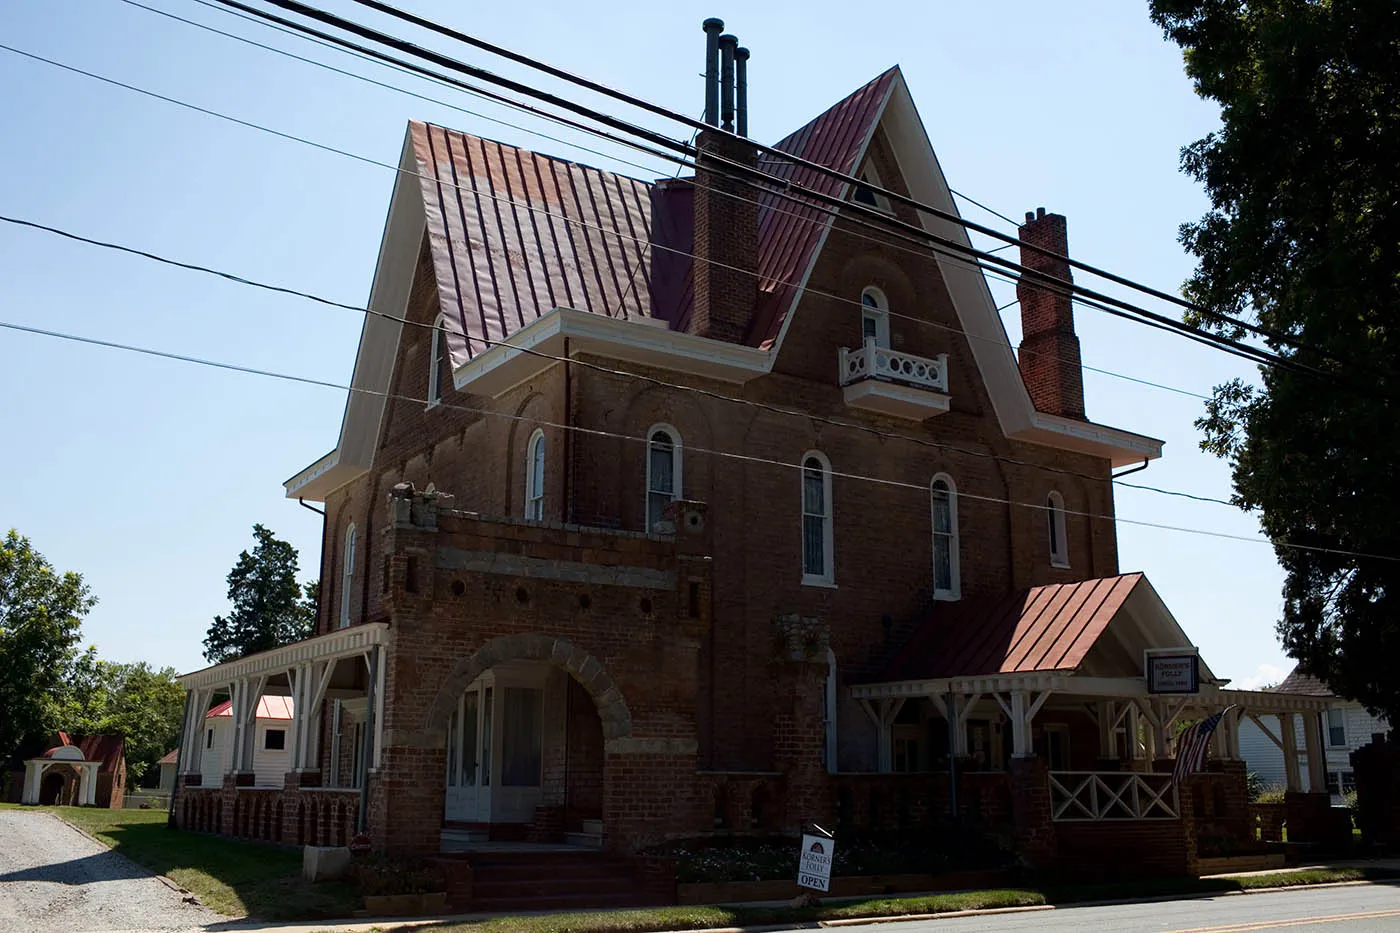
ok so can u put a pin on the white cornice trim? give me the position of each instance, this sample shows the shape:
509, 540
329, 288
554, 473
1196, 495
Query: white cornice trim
506, 365
339, 643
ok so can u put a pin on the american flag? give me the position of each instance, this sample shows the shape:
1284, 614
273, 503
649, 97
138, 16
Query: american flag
1191, 745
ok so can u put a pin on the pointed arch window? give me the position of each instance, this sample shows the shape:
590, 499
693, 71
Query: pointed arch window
663, 471
347, 574
1055, 520
534, 477
818, 559
440, 364
874, 317
943, 502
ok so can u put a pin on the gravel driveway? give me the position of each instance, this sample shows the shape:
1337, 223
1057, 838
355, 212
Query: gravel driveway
54, 879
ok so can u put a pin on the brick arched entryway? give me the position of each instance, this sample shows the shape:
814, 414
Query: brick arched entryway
582, 666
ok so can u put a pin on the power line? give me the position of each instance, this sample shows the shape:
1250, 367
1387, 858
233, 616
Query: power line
586, 224
599, 432
607, 370
752, 174
994, 213
500, 51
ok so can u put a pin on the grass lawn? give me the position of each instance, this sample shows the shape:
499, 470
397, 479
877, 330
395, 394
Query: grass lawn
234, 878
702, 918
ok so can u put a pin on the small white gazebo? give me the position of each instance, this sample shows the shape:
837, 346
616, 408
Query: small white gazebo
70, 755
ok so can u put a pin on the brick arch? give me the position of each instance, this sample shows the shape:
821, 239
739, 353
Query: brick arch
579, 664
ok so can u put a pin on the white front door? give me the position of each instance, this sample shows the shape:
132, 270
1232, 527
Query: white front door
495, 748
469, 757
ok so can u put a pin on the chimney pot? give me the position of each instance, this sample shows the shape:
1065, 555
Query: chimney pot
713, 27
1039, 212
727, 44
741, 91
1030, 216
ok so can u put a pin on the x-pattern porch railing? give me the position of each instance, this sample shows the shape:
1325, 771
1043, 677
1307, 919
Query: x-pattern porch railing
1111, 795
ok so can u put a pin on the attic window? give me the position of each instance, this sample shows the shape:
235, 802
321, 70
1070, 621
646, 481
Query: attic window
866, 194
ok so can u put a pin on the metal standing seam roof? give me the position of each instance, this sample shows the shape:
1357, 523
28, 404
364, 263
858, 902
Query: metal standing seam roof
1044, 628
514, 233
269, 707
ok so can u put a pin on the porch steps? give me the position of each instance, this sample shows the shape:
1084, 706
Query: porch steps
590, 838
551, 880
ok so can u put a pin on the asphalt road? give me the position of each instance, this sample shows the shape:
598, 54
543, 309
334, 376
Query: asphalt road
53, 879
1346, 909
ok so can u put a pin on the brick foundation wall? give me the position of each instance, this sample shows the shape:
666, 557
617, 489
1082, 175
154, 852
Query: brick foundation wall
1123, 849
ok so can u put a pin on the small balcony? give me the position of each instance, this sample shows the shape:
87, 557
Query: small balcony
894, 383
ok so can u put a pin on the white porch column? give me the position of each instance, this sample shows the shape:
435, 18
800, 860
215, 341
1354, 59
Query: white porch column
87, 785
1317, 758
33, 778
882, 713
1020, 728
236, 692
297, 678
1289, 738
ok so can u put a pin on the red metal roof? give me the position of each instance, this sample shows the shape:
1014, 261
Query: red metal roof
1044, 628
269, 707
107, 749
515, 234
169, 758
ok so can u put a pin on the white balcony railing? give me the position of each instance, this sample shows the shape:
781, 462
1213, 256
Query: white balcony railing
1111, 795
872, 362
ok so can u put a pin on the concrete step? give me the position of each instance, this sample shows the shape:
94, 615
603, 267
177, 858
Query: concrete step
584, 840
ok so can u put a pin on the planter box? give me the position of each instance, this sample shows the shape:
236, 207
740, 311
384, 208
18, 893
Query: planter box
405, 905
733, 892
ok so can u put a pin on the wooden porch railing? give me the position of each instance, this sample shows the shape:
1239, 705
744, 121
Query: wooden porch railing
1111, 795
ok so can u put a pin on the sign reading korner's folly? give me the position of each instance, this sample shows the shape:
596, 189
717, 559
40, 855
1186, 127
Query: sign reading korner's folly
814, 863
1175, 671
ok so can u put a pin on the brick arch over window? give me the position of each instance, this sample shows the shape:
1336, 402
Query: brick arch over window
579, 664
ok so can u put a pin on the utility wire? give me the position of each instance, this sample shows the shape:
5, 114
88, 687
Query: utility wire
403, 15
753, 174
607, 370
598, 432
600, 228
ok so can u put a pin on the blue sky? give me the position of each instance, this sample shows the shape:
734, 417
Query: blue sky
146, 475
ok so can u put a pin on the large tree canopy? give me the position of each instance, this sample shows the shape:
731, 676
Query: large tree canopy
41, 612
270, 608
143, 705
1303, 238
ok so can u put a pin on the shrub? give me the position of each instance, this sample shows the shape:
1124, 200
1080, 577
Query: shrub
378, 875
1272, 793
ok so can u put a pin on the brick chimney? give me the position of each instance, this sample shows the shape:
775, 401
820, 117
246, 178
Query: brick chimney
1049, 353
726, 215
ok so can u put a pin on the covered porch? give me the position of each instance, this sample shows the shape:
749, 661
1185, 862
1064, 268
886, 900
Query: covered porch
335, 687
1059, 712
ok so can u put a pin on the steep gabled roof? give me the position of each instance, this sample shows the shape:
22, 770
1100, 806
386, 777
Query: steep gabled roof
515, 233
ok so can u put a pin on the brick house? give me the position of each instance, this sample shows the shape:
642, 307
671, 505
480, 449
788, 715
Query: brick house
573, 590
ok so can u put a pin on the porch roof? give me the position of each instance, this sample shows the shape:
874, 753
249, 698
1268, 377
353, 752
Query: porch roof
1042, 629
339, 643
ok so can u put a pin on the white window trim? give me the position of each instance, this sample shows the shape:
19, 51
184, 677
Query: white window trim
347, 572
955, 541
881, 315
1327, 726
434, 377
1055, 505
534, 498
828, 575
677, 478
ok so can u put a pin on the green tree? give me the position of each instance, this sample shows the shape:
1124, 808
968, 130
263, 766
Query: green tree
146, 707
41, 612
1301, 238
270, 608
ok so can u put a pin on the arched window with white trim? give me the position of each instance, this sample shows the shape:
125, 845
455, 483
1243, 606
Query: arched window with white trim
1055, 522
874, 317
347, 574
943, 502
663, 471
818, 558
439, 364
534, 477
